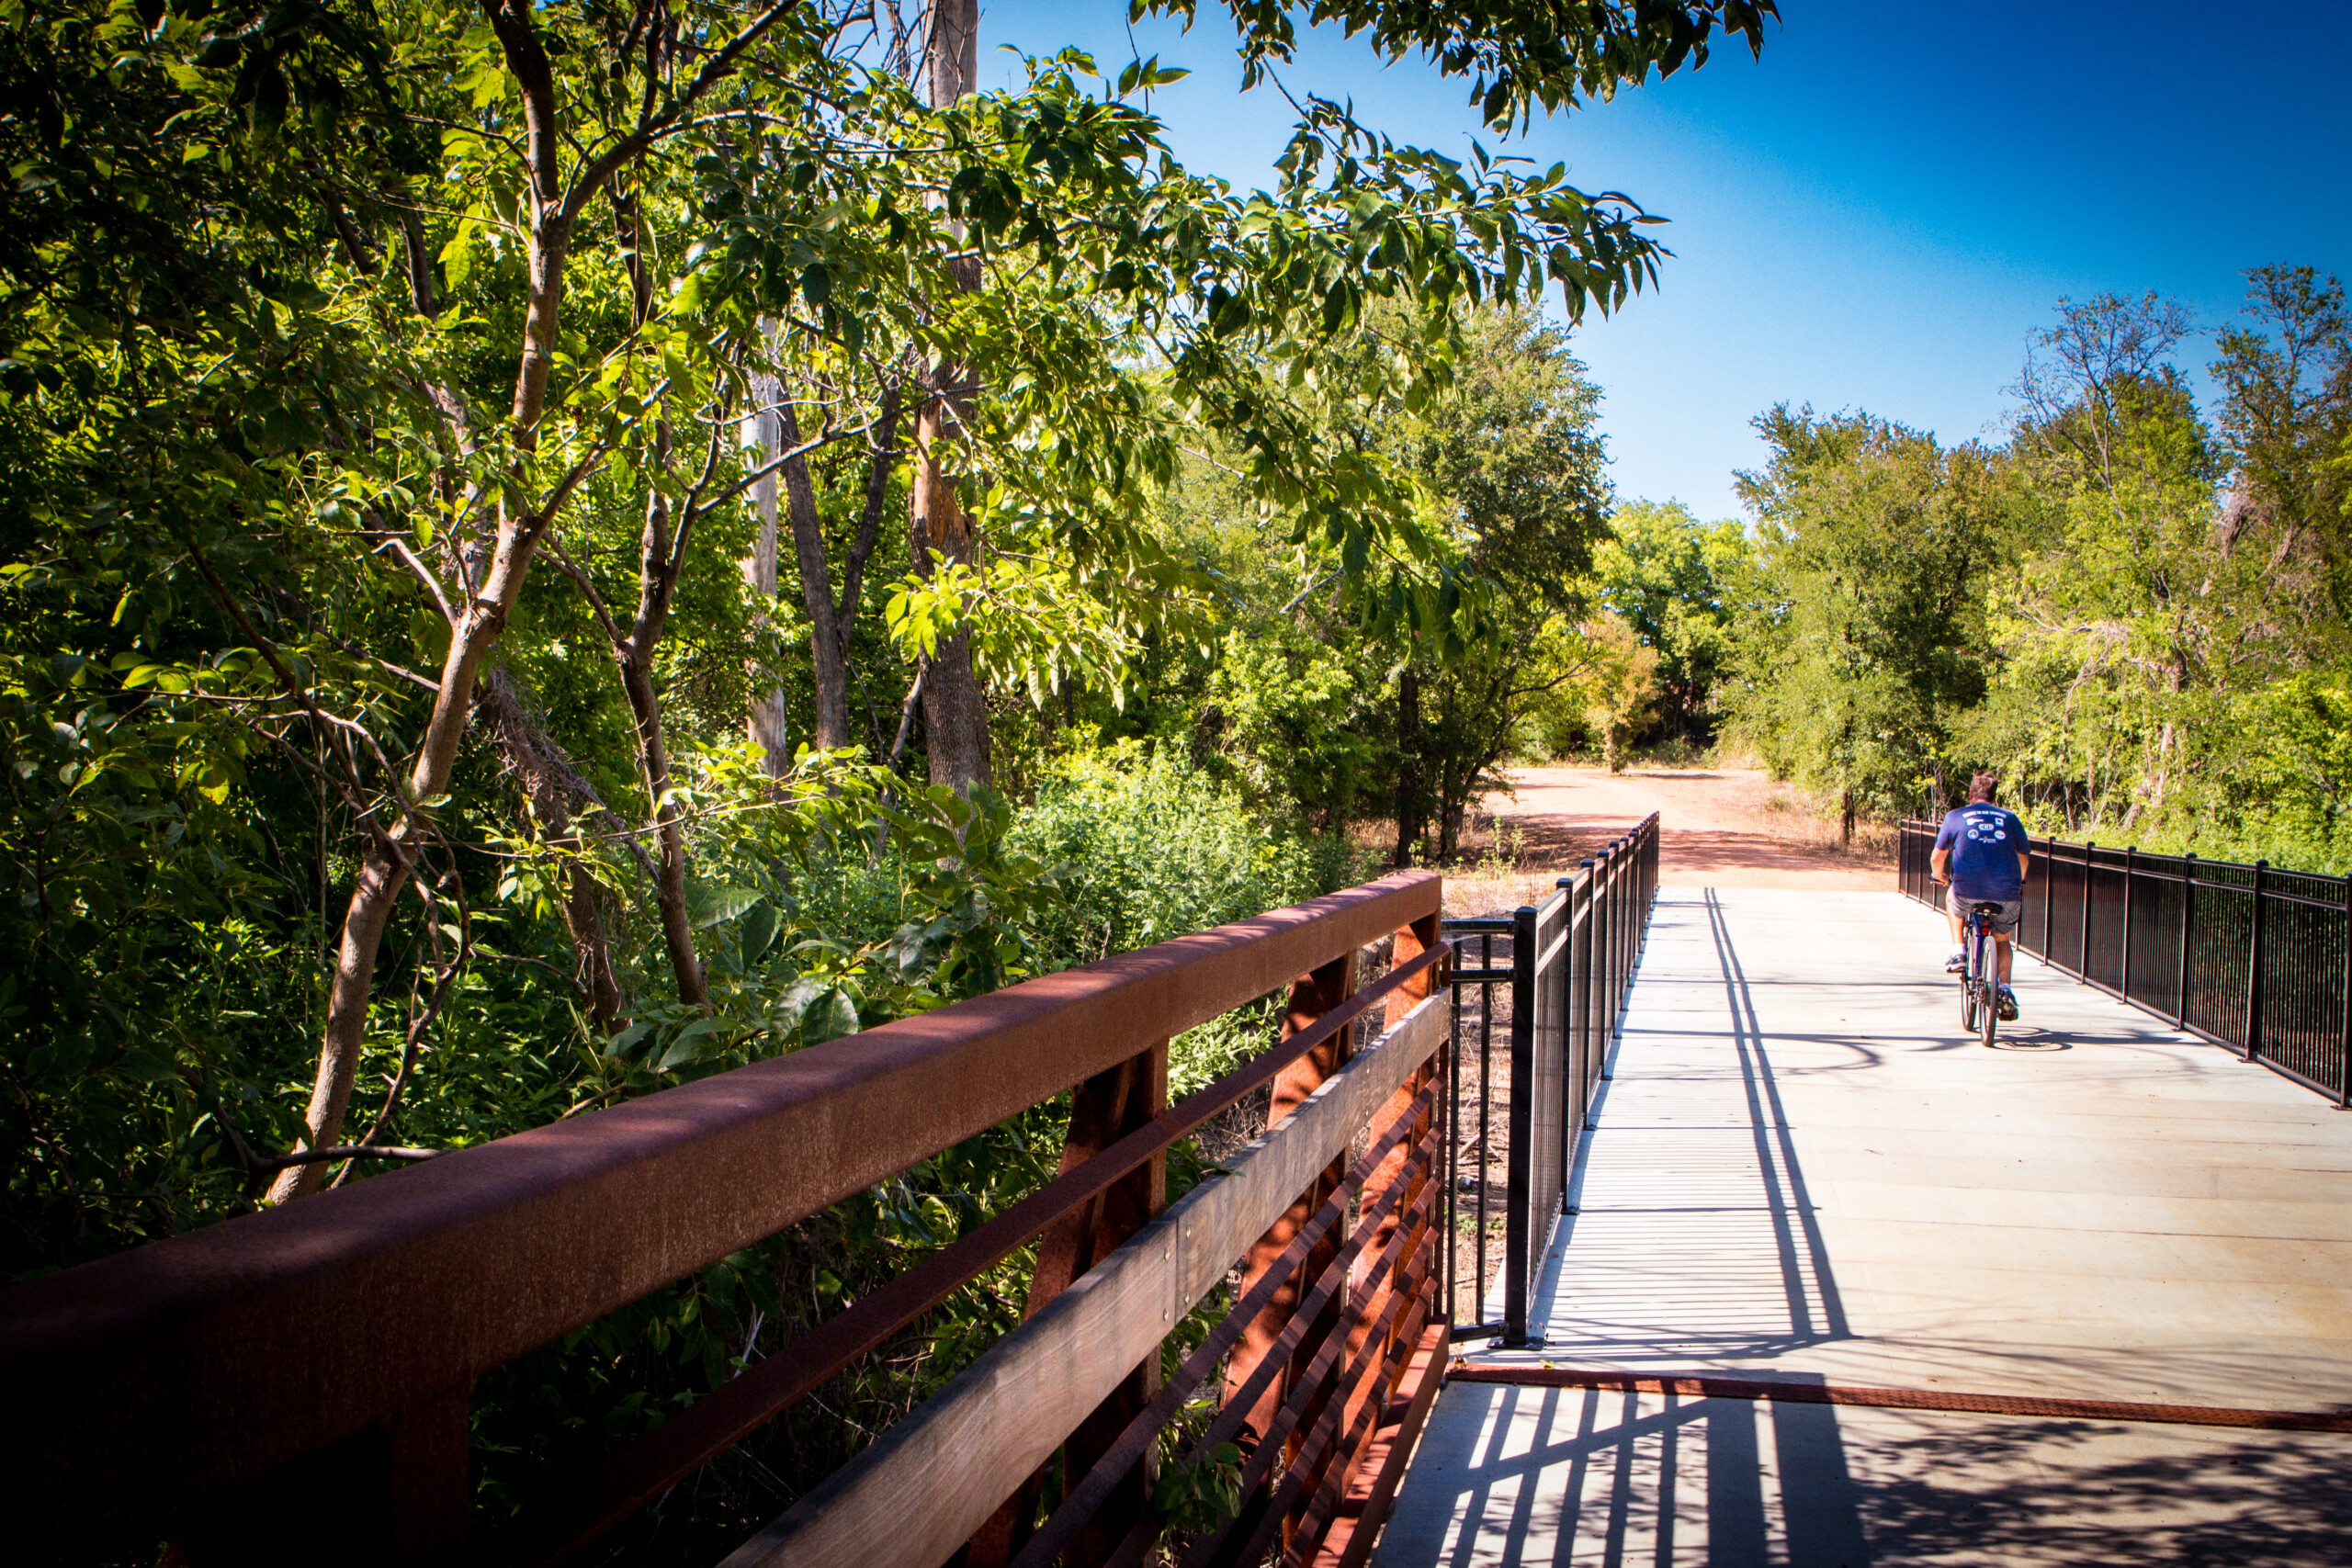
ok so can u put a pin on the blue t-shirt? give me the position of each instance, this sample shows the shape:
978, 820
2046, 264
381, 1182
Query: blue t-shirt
1984, 842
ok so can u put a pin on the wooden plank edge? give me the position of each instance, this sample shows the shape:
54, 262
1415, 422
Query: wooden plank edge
1371, 1490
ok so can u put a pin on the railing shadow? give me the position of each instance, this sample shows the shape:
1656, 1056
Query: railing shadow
1509, 1475
1794, 1216
1736, 1196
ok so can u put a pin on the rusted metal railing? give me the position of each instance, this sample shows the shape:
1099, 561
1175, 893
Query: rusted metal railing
303, 1375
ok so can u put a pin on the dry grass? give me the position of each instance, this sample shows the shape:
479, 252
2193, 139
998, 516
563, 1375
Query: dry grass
1750, 800
1497, 868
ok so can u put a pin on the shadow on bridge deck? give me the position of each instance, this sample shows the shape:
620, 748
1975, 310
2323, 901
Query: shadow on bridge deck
1804, 1171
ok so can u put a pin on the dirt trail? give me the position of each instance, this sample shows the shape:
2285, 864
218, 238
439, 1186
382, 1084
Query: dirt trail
1719, 827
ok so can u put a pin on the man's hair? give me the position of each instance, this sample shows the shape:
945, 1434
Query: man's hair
1982, 787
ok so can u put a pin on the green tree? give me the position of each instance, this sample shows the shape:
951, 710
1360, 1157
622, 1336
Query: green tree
2112, 621
2175, 577
1865, 636
1516, 473
1670, 576
1602, 679
2286, 427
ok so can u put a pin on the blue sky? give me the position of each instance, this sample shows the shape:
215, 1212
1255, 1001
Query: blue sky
1878, 213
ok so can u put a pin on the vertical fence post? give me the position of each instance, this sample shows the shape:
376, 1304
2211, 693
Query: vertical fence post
1596, 1052
1616, 876
2253, 966
2083, 963
1649, 895
1451, 1164
2049, 893
1604, 943
1518, 1223
2123, 965
1618, 905
2189, 920
1572, 1062
1571, 1042
2343, 1028
1612, 864
1486, 1106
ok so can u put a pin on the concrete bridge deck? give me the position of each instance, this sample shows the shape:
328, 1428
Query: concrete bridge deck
1804, 1171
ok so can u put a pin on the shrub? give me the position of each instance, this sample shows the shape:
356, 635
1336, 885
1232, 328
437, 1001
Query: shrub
1151, 848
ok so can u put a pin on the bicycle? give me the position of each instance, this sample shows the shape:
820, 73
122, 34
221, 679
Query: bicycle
1980, 984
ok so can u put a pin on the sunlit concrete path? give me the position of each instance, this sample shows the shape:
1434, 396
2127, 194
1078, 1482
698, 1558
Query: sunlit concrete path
1804, 1170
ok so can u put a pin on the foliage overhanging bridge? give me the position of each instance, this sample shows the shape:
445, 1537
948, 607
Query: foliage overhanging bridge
273, 1380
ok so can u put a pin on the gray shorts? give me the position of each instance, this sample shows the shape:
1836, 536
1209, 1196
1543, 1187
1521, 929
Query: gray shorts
2005, 922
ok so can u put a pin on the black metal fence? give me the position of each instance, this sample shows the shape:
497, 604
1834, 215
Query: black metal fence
1567, 962
2250, 957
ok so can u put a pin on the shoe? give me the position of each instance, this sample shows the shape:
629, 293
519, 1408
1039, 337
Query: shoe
1958, 962
2007, 1009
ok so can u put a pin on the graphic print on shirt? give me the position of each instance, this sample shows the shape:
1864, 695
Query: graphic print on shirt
1985, 842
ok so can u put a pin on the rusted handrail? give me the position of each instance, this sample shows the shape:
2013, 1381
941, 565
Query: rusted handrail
637, 1474
914, 1496
160, 1382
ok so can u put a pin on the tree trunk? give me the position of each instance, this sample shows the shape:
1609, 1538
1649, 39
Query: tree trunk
1408, 765
955, 707
952, 51
385, 865
1846, 818
765, 721
383, 871
660, 561
669, 883
477, 623
2175, 673
553, 790
826, 644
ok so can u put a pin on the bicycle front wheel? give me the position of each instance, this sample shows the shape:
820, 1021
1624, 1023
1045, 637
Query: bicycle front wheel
1968, 1005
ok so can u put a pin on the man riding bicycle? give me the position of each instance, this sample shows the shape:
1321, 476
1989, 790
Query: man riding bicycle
1981, 853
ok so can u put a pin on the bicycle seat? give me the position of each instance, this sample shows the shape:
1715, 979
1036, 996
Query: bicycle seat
1984, 907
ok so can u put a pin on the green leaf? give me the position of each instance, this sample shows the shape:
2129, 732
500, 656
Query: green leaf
143, 1068
759, 930
708, 905
692, 1043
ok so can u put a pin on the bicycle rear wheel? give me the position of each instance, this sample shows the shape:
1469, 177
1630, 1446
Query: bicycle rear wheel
1989, 1012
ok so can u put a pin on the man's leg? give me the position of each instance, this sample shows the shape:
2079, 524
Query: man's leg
2001, 941
1958, 962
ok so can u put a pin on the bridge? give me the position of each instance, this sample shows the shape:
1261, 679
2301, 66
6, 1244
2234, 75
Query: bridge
1670, 1224
1837, 1285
